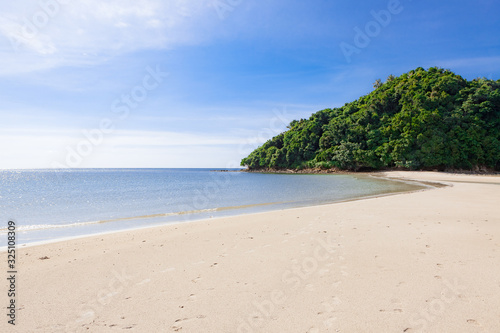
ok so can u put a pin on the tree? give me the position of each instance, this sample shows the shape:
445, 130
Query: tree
428, 119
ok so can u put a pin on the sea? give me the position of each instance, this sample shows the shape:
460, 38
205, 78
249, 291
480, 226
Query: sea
49, 205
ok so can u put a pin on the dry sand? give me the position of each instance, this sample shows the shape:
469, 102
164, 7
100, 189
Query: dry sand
427, 261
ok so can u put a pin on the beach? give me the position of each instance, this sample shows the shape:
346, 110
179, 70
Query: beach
425, 261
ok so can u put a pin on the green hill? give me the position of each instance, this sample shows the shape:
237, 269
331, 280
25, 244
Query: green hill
424, 119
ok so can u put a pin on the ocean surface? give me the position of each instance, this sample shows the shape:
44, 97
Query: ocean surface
52, 204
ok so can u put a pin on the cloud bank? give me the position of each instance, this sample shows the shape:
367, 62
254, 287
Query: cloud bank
44, 34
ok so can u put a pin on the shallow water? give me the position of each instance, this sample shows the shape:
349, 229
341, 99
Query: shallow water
52, 204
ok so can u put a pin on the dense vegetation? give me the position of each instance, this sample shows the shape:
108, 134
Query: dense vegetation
424, 119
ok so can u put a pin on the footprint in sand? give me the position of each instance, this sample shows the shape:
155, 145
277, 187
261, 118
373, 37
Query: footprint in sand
396, 303
330, 309
144, 282
179, 320
190, 319
129, 327
336, 284
330, 322
328, 306
170, 269
196, 279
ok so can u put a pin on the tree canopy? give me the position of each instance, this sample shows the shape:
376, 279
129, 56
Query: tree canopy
424, 119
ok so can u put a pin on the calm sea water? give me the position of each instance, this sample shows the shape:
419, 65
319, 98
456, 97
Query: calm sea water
52, 204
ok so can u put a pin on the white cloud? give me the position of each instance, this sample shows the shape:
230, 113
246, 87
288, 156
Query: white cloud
50, 33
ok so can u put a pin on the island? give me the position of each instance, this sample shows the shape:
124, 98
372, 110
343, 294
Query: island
422, 120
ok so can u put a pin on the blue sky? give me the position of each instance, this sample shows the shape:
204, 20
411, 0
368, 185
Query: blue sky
208, 80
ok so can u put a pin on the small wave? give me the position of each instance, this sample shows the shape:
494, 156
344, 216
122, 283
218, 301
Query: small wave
142, 217
46, 226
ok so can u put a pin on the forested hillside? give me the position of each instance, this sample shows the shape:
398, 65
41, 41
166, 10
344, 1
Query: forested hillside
424, 119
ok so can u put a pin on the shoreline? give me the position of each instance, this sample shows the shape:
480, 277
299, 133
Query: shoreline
424, 261
425, 186
347, 172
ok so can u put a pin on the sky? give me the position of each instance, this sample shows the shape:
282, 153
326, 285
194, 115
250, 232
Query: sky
201, 83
